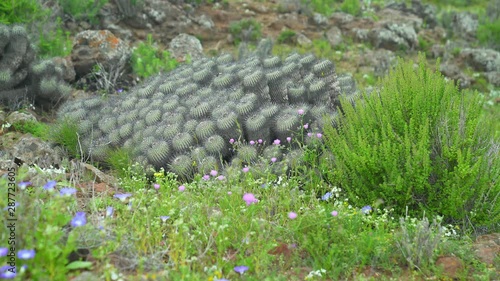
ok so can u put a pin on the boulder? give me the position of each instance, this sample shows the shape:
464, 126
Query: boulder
465, 25
185, 44
484, 60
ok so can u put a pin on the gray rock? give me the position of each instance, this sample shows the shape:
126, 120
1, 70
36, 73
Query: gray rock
97, 46
157, 16
360, 34
303, 41
86, 276
205, 21
289, 6
3, 116
465, 25
453, 72
394, 37
20, 117
32, 150
484, 60
380, 61
342, 18
426, 12
185, 44
493, 78
334, 36
320, 19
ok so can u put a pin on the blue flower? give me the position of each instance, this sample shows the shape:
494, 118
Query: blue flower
26, 254
7, 272
327, 196
24, 184
241, 269
109, 211
49, 185
79, 219
15, 205
4, 252
123, 196
67, 191
164, 218
366, 209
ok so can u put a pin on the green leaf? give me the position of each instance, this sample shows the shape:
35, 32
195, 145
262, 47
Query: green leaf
79, 265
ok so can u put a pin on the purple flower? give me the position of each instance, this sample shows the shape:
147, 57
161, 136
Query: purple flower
122, 196
79, 219
49, 185
252, 142
260, 141
164, 218
249, 198
366, 209
182, 188
222, 279
24, 184
3, 252
7, 272
229, 193
206, 177
292, 215
309, 134
327, 196
109, 211
288, 139
156, 186
241, 269
300, 111
306, 126
119, 90
334, 213
319, 135
276, 142
221, 177
213, 173
231, 141
15, 205
245, 169
26, 254
273, 159
67, 191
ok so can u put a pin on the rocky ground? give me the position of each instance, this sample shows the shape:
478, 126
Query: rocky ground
363, 46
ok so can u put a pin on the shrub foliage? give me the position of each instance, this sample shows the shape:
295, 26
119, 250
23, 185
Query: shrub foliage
419, 143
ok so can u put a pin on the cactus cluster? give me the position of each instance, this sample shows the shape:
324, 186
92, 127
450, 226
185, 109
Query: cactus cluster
21, 77
183, 120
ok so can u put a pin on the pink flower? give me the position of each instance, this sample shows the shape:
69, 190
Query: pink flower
252, 142
231, 141
156, 186
182, 188
249, 198
306, 126
260, 141
309, 134
221, 177
292, 215
334, 213
288, 139
300, 111
276, 142
213, 173
229, 193
206, 177
319, 135
273, 159
245, 170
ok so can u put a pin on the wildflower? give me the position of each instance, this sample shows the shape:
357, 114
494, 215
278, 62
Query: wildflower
309, 134
306, 126
164, 218
221, 177
252, 142
22, 185
3, 252
245, 169
319, 135
109, 211
119, 90
288, 139
182, 188
213, 173
300, 111
229, 193
156, 186
122, 196
79, 219
292, 215
276, 142
7, 272
260, 141
366, 210
206, 177
67, 191
334, 213
222, 279
273, 159
240, 269
249, 198
49, 185
231, 141
15, 205
327, 196
26, 254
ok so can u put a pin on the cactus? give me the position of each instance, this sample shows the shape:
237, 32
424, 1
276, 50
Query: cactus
183, 121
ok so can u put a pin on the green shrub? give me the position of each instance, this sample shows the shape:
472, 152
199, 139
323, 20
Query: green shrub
54, 43
65, 133
352, 7
324, 7
489, 34
120, 160
147, 60
21, 11
418, 143
286, 37
82, 9
37, 129
246, 30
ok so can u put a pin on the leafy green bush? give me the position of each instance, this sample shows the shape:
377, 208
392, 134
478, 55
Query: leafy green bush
65, 134
324, 7
54, 43
488, 33
419, 143
286, 36
21, 11
352, 7
37, 129
147, 60
82, 9
246, 30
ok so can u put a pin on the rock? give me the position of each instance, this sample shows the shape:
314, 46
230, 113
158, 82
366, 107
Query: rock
32, 150
123, 33
452, 266
465, 25
184, 44
452, 71
156, 15
380, 61
437, 51
334, 36
487, 247
319, 19
96, 46
484, 60
3, 116
394, 37
390, 16
205, 21
342, 18
20, 118
289, 6
426, 12
303, 41
86, 276
493, 78
67, 66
